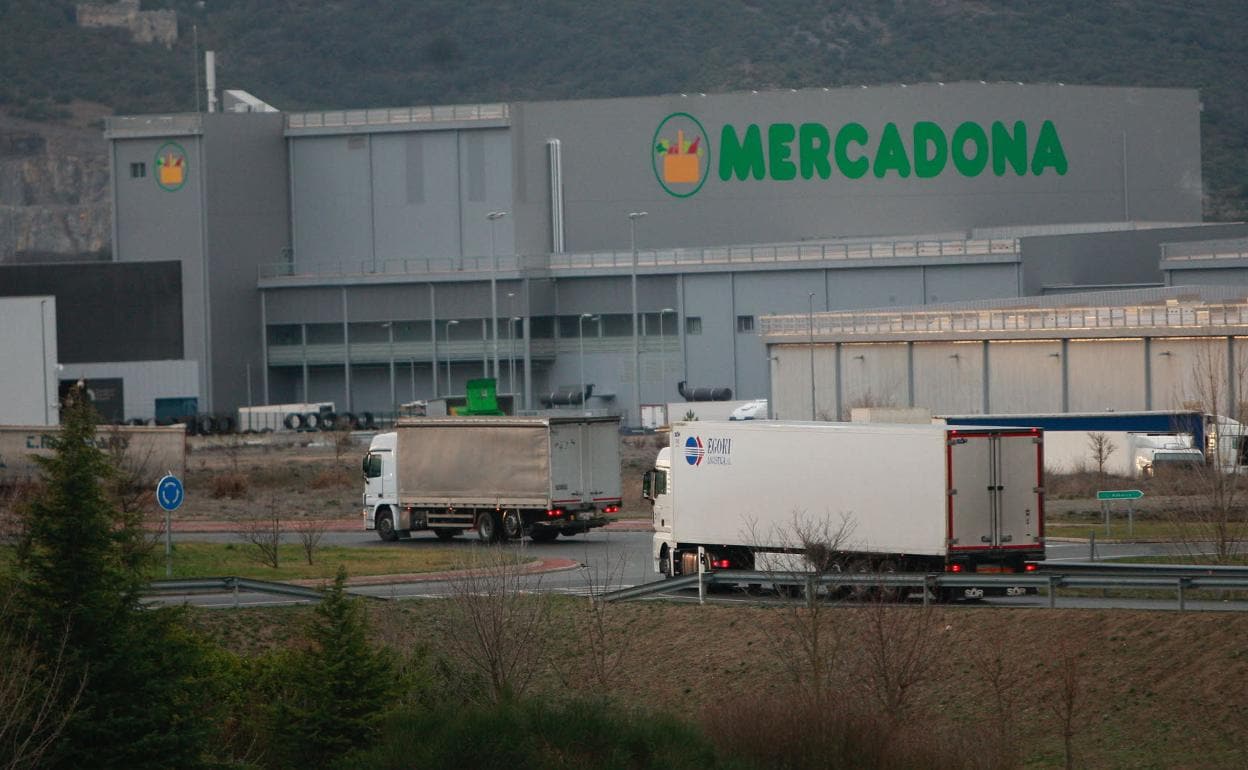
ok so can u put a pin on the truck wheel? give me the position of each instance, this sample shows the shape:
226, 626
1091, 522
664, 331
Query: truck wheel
513, 527
446, 534
385, 527
544, 534
489, 528
665, 563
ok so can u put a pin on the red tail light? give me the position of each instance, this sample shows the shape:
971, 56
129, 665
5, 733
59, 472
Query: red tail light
954, 568
720, 563
554, 512
1031, 567
611, 509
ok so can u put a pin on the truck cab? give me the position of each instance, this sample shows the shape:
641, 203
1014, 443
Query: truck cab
381, 492
656, 487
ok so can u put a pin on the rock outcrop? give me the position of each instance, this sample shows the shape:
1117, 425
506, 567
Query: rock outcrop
53, 193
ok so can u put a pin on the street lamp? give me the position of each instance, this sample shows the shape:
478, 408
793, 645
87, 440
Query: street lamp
389, 327
493, 217
633, 216
511, 336
580, 338
662, 354
511, 340
810, 323
449, 324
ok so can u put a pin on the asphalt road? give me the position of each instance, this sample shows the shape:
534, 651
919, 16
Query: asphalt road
610, 560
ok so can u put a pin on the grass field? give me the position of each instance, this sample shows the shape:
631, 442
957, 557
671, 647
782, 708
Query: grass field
192, 560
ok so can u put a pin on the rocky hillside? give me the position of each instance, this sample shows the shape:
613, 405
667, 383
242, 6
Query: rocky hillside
54, 189
311, 54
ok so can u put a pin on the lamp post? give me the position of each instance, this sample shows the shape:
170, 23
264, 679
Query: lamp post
633, 216
810, 323
511, 342
493, 217
389, 327
662, 353
580, 338
449, 324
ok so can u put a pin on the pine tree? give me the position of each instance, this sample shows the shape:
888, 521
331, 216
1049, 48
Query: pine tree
78, 577
338, 690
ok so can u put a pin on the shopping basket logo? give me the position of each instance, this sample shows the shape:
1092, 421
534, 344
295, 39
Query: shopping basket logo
680, 154
170, 166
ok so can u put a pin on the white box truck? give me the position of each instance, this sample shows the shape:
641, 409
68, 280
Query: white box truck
504, 476
928, 498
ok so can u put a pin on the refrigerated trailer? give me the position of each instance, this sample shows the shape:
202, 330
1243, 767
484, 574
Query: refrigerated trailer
886, 497
504, 476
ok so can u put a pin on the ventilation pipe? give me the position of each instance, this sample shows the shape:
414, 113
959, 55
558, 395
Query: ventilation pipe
210, 78
703, 394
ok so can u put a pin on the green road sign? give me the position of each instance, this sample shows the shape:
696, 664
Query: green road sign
1119, 494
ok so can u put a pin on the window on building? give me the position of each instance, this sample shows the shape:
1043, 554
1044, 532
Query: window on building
693, 324
542, 327
138, 170
617, 325
745, 324
285, 334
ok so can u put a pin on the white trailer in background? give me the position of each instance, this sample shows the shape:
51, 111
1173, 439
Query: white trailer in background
926, 498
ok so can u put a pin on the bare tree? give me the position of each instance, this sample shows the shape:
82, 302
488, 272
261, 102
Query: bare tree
264, 532
495, 624
1066, 700
1212, 520
898, 649
607, 640
805, 638
12, 498
1004, 677
310, 532
1102, 447
36, 698
343, 442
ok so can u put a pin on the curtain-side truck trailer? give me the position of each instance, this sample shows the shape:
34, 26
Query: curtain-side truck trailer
506, 477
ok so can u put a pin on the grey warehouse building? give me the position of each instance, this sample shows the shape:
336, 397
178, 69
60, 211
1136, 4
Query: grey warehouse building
369, 257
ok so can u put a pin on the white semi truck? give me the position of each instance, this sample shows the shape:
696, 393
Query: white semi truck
504, 476
930, 498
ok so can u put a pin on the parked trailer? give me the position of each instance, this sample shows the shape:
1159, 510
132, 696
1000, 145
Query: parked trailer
147, 449
504, 476
889, 497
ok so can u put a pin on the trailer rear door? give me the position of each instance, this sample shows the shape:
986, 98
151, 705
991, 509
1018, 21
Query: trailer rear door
995, 492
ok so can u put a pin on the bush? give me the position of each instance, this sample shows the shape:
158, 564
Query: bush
231, 485
786, 730
523, 734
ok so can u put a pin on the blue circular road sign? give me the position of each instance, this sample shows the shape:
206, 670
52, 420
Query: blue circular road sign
169, 493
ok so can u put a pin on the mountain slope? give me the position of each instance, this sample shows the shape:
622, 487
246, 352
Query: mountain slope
334, 54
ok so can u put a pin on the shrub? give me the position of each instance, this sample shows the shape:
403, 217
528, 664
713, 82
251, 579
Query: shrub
522, 734
229, 485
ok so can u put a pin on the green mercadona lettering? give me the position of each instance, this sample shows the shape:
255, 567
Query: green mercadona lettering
810, 150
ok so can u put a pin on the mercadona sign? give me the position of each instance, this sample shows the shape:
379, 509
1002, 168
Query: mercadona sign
781, 152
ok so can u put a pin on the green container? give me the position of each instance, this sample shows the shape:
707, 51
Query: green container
482, 398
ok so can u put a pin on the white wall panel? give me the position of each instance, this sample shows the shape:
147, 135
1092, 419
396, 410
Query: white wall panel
1106, 375
949, 377
874, 375
1024, 376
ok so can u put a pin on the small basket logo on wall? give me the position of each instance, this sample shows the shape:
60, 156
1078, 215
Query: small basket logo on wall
680, 154
171, 166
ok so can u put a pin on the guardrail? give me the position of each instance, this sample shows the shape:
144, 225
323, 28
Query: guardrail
234, 585
836, 251
1006, 320
1146, 577
398, 115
